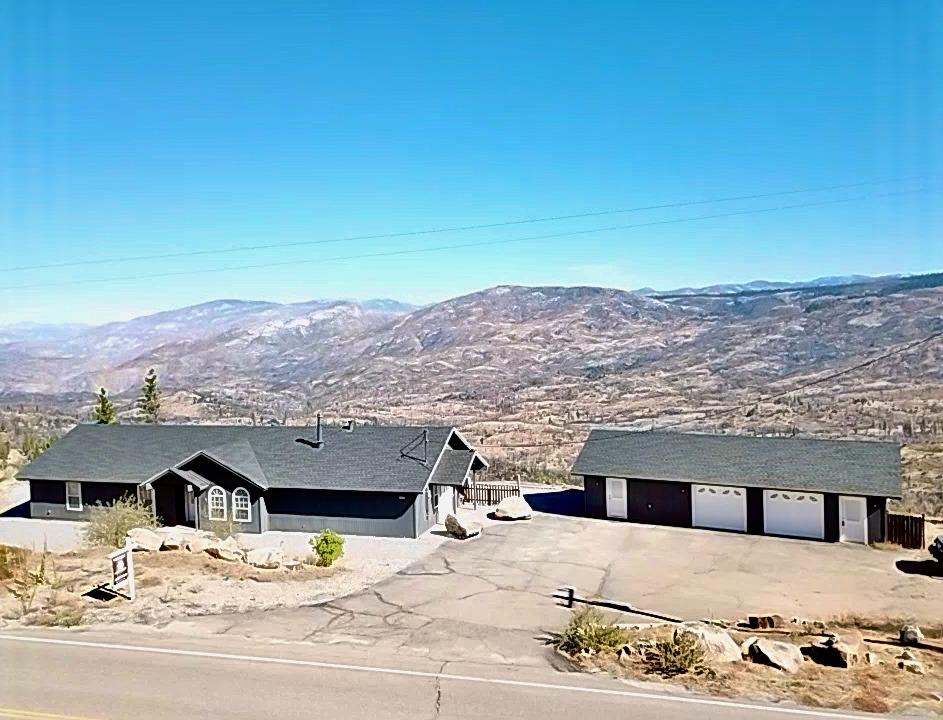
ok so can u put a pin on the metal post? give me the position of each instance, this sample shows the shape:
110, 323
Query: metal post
131, 584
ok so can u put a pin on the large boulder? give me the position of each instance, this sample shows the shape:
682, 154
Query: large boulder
835, 651
462, 530
198, 543
717, 644
265, 558
513, 508
227, 549
766, 622
910, 635
781, 655
145, 539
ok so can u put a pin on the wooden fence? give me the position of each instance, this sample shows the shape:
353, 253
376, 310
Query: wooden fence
489, 493
905, 530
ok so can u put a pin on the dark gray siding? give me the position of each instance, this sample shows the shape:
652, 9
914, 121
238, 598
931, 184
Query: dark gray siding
877, 519
47, 498
832, 520
594, 496
660, 503
344, 511
755, 511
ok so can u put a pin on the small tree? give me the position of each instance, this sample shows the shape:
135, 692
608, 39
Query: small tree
104, 412
34, 446
108, 525
328, 546
149, 402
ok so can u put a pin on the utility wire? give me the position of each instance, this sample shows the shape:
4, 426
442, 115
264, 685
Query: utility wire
439, 230
457, 246
736, 408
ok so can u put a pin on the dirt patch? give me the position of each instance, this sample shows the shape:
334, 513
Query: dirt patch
54, 589
880, 688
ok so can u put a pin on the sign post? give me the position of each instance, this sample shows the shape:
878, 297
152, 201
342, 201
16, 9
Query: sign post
122, 569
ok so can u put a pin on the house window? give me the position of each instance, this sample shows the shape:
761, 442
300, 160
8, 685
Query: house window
241, 507
435, 500
73, 496
217, 503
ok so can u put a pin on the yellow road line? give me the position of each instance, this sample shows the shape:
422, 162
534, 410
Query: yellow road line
36, 715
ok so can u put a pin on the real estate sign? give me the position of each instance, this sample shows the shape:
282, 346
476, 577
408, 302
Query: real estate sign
122, 570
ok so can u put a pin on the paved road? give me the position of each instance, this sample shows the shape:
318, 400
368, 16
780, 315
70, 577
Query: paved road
94, 675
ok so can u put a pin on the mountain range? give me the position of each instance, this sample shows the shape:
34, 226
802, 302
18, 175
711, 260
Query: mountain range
517, 362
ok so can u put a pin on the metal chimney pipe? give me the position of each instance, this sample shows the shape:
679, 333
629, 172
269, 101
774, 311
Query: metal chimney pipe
317, 438
425, 446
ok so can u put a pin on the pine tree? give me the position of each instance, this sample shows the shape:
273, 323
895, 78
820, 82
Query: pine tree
104, 412
149, 401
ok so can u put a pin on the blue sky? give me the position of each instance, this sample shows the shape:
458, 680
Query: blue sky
150, 128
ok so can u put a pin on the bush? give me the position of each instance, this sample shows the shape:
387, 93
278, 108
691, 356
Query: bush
12, 559
223, 529
677, 655
589, 631
108, 525
328, 546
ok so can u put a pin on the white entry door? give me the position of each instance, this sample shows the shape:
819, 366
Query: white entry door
617, 498
794, 513
719, 506
854, 519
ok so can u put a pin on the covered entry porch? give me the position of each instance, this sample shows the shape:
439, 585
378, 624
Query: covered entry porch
174, 496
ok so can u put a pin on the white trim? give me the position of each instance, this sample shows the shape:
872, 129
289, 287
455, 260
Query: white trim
241, 492
209, 502
77, 486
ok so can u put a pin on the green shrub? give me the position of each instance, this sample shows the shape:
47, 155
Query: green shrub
679, 654
11, 560
589, 631
328, 546
223, 529
108, 525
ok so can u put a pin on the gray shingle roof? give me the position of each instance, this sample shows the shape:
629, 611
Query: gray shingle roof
366, 458
453, 466
840, 466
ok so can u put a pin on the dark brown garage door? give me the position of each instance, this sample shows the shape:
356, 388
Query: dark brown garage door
660, 503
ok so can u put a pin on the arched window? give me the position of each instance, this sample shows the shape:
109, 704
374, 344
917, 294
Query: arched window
217, 501
241, 506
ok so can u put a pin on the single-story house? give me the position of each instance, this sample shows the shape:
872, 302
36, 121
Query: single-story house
795, 487
360, 480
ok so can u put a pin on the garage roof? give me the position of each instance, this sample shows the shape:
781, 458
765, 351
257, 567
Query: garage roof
381, 458
784, 463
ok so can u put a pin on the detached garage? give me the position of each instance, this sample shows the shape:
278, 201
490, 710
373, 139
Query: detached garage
792, 487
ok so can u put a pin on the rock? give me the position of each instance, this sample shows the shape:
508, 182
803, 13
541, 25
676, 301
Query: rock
835, 651
227, 549
461, 530
907, 655
746, 644
145, 539
197, 543
765, 622
513, 508
913, 666
173, 540
717, 644
265, 558
910, 635
780, 655
625, 653
870, 658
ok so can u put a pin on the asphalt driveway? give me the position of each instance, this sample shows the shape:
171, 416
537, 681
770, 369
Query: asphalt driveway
488, 599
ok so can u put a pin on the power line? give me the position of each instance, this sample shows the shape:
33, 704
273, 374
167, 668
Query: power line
456, 246
439, 230
736, 408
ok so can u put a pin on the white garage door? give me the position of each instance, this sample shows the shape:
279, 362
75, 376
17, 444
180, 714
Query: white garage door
720, 507
794, 513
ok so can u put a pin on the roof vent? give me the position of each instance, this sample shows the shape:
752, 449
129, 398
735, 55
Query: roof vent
348, 425
318, 442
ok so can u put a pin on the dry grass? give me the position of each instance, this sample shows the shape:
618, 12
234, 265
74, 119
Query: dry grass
881, 688
887, 625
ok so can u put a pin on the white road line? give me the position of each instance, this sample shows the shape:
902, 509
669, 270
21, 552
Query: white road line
434, 675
